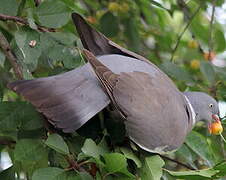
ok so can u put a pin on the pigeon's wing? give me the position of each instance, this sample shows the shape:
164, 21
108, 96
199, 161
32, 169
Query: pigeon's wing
97, 43
67, 100
156, 112
107, 78
157, 116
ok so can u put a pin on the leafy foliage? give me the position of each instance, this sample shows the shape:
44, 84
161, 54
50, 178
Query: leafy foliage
46, 44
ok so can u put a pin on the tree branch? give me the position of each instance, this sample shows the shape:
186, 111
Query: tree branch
20, 20
211, 29
4, 44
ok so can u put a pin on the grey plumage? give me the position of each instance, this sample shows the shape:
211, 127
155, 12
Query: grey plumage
157, 115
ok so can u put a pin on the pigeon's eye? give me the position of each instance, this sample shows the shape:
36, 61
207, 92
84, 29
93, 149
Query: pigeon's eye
210, 105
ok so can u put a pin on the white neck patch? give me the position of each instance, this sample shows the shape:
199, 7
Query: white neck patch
192, 110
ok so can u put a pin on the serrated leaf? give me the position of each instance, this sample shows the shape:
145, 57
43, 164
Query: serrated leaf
49, 173
152, 168
53, 13
197, 142
208, 71
130, 155
57, 143
116, 162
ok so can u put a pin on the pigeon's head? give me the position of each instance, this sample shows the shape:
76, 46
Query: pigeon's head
205, 107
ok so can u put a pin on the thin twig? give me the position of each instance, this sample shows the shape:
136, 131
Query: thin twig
222, 137
211, 29
186, 11
20, 20
182, 33
177, 162
4, 45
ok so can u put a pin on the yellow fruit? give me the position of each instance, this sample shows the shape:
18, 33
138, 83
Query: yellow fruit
215, 128
209, 56
195, 64
113, 7
193, 44
124, 8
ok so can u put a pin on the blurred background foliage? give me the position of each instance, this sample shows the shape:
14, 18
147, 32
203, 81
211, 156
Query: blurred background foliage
177, 35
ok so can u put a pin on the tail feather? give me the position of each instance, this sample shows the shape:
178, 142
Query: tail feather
91, 39
68, 100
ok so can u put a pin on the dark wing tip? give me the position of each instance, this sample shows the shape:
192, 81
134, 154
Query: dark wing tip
75, 16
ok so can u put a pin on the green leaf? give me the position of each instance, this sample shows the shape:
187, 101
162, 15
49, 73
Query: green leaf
221, 168
28, 150
70, 175
152, 168
208, 71
176, 72
53, 13
131, 31
14, 115
49, 173
83, 176
116, 162
57, 143
207, 173
186, 155
109, 24
9, 7
65, 38
91, 149
219, 40
130, 155
199, 145
29, 54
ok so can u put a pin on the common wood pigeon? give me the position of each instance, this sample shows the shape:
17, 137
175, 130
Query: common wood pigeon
156, 114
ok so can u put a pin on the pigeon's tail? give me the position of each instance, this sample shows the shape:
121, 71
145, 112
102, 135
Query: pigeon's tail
93, 40
67, 100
